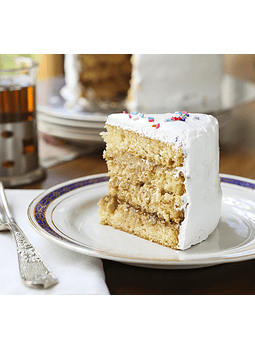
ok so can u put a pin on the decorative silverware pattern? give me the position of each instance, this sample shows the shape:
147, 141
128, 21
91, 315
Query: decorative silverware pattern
34, 273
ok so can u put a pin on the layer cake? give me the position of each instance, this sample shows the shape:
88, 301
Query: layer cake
164, 181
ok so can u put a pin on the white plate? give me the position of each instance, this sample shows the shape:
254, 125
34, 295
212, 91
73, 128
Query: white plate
67, 214
55, 119
70, 133
83, 124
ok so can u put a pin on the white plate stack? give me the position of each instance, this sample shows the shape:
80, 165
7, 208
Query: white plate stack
56, 119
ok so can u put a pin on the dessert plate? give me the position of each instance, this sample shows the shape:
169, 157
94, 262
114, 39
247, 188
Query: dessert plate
67, 214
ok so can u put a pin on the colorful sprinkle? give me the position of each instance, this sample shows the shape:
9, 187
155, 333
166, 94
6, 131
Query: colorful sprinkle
156, 125
142, 115
151, 120
134, 113
125, 112
129, 116
185, 114
176, 118
181, 116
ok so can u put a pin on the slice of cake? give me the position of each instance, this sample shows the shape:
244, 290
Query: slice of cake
164, 177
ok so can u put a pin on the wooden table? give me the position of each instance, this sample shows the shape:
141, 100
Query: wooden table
233, 278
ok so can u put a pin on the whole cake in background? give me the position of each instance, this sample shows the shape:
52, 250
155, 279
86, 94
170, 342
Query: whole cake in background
146, 83
164, 177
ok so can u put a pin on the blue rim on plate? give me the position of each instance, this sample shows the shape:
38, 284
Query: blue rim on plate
42, 206
238, 182
38, 219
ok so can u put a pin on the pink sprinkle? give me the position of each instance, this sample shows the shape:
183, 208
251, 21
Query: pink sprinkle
156, 126
124, 112
184, 112
129, 116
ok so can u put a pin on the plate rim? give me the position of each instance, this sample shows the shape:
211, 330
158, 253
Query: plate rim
102, 178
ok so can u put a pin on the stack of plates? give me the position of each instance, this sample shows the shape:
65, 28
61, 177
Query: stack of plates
55, 119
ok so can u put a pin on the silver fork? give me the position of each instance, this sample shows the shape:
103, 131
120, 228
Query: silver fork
34, 273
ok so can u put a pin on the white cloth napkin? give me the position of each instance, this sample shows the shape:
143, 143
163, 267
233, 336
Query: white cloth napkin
76, 273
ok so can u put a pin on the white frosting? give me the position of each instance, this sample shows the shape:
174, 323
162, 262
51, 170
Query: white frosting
198, 138
162, 83
71, 91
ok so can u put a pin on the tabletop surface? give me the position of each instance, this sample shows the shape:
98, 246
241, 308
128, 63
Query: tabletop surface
231, 278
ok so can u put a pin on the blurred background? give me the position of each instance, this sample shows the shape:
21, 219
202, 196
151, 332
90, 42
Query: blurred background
236, 117
237, 100
242, 66
49, 65
65, 134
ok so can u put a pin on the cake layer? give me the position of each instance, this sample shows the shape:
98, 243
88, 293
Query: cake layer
104, 76
136, 178
139, 170
147, 198
93, 66
120, 141
126, 218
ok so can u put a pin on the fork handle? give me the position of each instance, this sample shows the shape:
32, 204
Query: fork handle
33, 271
